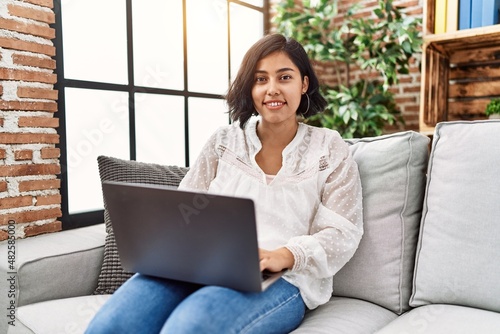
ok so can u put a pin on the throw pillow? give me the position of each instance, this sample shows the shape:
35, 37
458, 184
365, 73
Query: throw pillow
392, 170
112, 274
457, 255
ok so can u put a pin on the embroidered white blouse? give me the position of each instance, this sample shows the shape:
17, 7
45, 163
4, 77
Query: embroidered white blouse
312, 206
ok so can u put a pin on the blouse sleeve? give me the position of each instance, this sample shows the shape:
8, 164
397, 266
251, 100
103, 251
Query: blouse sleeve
203, 171
338, 224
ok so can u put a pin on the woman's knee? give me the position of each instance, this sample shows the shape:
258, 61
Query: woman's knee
104, 322
203, 311
143, 302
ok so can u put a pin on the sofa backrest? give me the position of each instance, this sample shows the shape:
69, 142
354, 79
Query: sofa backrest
458, 255
392, 170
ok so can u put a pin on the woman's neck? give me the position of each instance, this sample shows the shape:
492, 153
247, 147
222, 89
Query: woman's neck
276, 134
274, 138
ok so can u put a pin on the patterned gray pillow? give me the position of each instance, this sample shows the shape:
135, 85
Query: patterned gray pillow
112, 274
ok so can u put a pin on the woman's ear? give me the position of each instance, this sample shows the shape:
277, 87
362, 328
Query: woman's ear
305, 84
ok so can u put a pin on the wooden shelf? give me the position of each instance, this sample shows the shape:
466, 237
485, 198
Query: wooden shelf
460, 74
465, 39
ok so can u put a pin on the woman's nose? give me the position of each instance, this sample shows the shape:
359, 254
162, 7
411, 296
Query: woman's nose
272, 88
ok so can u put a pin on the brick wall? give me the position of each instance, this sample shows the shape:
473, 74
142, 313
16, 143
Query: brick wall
407, 93
29, 161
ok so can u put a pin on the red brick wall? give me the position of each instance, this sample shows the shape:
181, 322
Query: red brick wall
29, 161
407, 92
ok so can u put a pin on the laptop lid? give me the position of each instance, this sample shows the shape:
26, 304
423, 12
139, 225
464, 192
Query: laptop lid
188, 236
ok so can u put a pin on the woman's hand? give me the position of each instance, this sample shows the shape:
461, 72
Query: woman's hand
276, 260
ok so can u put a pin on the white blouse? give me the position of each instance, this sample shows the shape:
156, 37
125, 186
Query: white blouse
312, 206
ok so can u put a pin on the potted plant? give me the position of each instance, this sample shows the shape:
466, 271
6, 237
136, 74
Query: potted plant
381, 47
493, 109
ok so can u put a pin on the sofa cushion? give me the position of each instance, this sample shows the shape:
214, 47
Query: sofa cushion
440, 318
345, 315
69, 315
392, 170
457, 256
54, 265
112, 274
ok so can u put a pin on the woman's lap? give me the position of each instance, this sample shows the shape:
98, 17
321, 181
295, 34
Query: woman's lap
214, 309
145, 303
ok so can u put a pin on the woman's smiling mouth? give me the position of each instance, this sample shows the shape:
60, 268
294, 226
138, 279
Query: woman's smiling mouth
274, 104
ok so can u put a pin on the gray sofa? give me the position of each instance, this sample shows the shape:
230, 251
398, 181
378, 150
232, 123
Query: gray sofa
429, 261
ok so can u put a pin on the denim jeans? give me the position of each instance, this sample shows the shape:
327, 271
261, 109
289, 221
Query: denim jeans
146, 304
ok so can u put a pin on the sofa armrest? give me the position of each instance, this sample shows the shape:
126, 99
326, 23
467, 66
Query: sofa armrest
53, 266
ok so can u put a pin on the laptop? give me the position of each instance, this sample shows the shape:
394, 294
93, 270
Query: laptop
188, 236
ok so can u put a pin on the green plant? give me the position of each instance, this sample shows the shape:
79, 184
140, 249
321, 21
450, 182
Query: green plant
493, 107
381, 48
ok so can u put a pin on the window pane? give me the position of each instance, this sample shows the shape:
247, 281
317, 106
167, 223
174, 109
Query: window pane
205, 116
207, 46
97, 125
95, 51
159, 123
247, 26
158, 44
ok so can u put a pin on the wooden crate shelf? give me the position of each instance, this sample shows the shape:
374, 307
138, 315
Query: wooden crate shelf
460, 72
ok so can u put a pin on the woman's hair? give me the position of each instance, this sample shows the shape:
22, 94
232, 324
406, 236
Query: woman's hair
239, 96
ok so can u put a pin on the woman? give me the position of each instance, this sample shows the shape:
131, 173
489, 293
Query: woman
307, 192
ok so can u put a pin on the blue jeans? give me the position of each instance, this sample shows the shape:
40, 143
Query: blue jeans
146, 304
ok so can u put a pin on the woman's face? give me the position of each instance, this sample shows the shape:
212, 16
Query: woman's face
278, 88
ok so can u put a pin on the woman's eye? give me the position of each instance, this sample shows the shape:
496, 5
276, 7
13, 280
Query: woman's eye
260, 79
286, 77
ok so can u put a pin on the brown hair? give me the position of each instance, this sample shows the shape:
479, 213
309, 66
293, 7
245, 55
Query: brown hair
239, 96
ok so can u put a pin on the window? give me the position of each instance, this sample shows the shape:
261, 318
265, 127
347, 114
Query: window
143, 80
